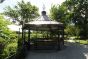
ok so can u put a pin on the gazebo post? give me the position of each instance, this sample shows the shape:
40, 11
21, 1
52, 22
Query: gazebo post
22, 22
24, 35
63, 35
29, 39
58, 42
47, 35
50, 33
36, 32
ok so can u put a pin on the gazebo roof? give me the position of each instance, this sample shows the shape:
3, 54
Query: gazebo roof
43, 23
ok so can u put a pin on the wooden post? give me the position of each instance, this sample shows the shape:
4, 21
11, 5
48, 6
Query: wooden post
22, 22
29, 39
23, 35
58, 42
63, 35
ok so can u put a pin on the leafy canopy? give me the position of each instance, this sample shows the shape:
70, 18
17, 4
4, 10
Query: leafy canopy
22, 11
72, 11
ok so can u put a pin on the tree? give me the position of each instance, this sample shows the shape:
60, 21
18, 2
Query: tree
74, 11
25, 11
60, 13
79, 15
13, 13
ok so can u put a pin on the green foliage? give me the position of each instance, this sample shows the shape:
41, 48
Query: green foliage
79, 10
83, 22
60, 13
72, 30
8, 39
79, 15
11, 12
72, 11
5, 33
2, 40
82, 41
9, 50
3, 29
25, 11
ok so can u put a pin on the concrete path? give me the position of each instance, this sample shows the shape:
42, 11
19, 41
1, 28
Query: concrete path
72, 51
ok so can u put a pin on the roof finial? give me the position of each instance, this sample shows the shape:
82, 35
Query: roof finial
43, 12
43, 7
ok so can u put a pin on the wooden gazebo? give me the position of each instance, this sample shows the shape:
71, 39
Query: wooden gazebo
52, 33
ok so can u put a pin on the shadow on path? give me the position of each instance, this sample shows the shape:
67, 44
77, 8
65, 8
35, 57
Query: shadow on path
72, 51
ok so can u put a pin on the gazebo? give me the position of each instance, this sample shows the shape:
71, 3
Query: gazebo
43, 33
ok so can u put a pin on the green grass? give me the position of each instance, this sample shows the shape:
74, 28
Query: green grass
82, 41
78, 41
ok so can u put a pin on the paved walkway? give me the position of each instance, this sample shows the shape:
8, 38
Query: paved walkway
72, 51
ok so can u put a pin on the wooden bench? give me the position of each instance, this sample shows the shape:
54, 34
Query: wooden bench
44, 44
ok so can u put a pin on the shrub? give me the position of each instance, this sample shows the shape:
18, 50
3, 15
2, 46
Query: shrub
9, 50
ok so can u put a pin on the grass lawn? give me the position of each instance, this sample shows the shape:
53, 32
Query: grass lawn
77, 41
82, 41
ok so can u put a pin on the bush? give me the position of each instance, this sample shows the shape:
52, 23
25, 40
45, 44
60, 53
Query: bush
8, 39
2, 42
9, 50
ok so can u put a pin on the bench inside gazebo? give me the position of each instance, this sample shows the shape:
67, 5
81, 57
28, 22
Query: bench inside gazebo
43, 33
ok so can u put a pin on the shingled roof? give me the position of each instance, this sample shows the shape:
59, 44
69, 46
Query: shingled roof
43, 22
